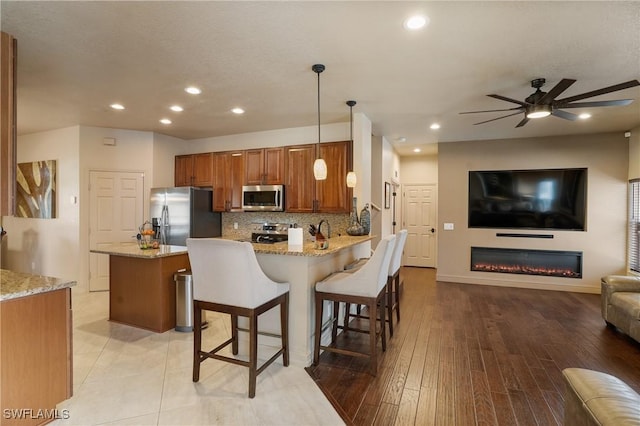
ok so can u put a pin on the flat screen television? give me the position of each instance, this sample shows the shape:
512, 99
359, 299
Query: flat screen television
528, 199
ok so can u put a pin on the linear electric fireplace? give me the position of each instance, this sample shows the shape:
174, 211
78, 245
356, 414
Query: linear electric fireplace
552, 263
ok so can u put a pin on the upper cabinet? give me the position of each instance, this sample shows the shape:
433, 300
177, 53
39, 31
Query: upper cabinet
300, 185
265, 166
8, 55
332, 194
194, 169
228, 178
303, 194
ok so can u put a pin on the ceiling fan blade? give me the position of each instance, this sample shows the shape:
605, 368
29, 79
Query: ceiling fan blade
494, 119
493, 110
557, 89
524, 121
564, 114
599, 92
504, 98
618, 102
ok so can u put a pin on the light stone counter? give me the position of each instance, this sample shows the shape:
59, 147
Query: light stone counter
336, 244
132, 250
17, 284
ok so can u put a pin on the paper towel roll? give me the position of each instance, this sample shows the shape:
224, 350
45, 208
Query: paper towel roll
295, 239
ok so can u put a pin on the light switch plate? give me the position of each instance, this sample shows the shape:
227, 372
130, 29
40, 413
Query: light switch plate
448, 226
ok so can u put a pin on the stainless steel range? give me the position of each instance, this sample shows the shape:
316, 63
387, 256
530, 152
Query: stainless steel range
269, 233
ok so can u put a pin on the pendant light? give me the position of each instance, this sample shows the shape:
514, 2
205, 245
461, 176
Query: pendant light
351, 176
319, 166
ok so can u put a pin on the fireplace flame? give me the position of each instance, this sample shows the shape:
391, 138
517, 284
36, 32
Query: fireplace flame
525, 269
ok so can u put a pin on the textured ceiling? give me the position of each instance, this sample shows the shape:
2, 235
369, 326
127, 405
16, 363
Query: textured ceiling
76, 58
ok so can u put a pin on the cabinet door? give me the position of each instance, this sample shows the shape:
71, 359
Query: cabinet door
254, 165
220, 170
8, 49
300, 184
202, 169
332, 193
236, 180
183, 172
273, 166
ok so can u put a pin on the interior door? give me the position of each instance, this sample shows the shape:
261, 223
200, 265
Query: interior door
420, 221
115, 213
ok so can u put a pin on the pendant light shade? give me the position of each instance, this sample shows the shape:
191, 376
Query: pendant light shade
351, 176
319, 166
320, 169
351, 179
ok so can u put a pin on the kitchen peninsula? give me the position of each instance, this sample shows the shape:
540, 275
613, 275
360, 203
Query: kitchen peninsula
142, 292
36, 352
302, 269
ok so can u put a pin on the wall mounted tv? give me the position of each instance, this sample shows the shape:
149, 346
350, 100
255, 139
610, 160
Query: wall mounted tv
528, 199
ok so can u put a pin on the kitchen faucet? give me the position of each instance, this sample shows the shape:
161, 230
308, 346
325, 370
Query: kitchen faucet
328, 226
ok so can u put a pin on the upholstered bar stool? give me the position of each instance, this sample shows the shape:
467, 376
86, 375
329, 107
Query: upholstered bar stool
227, 278
393, 282
366, 286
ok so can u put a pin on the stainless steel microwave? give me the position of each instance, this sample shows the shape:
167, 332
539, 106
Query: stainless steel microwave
265, 198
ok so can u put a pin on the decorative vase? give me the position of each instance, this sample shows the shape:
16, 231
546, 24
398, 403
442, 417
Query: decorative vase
365, 220
355, 228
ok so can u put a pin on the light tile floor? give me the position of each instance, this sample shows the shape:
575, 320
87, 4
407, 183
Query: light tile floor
127, 376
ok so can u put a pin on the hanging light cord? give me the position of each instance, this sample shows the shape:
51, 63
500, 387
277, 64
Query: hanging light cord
318, 155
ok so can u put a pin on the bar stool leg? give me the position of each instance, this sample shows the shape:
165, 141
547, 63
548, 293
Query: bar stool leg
253, 353
197, 340
318, 329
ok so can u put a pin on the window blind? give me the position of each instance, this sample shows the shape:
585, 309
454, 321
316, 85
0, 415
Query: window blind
634, 225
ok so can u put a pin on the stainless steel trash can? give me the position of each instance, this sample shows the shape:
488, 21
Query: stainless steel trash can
184, 301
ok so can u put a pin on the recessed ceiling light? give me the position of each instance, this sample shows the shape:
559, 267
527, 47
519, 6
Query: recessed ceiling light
193, 90
416, 150
237, 111
117, 106
584, 116
416, 22
176, 108
435, 126
401, 139
165, 121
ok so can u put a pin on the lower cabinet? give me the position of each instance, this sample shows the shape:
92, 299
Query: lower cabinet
36, 356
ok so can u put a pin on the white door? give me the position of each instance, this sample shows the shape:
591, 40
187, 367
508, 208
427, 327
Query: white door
115, 213
420, 221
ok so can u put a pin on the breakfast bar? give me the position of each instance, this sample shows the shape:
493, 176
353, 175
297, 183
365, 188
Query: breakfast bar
302, 268
142, 292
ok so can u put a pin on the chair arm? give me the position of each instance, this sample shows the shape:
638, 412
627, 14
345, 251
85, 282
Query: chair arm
616, 283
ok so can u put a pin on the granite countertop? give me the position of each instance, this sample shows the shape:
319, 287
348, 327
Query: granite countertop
132, 250
335, 244
18, 284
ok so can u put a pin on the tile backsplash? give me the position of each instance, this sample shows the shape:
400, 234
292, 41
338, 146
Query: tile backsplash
339, 222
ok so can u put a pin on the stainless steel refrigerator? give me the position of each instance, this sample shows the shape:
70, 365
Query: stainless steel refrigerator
183, 212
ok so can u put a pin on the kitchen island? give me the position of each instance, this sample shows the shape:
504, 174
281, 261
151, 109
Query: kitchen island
142, 292
302, 269
36, 358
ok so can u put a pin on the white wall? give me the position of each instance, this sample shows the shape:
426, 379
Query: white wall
390, 174
48, 246
634, 154
165, 148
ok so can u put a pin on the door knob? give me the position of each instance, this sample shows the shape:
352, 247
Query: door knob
433, 230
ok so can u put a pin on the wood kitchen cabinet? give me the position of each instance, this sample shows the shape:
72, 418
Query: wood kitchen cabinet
306, 195
265, 166
8, 55
228, 178
194, 169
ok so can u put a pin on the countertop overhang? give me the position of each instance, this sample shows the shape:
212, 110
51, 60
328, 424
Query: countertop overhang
308, 248
18, 284
132, 250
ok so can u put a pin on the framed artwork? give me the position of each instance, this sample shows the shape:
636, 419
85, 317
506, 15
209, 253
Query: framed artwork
387, 195
36, 189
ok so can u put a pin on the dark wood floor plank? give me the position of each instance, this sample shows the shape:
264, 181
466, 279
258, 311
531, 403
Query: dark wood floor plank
483, 405
471, 354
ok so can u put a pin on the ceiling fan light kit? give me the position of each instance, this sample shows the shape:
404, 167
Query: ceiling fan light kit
542, 104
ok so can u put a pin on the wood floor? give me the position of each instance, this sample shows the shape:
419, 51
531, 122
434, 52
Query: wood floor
470, 354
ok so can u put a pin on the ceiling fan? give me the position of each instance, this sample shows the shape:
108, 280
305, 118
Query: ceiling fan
541, 104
